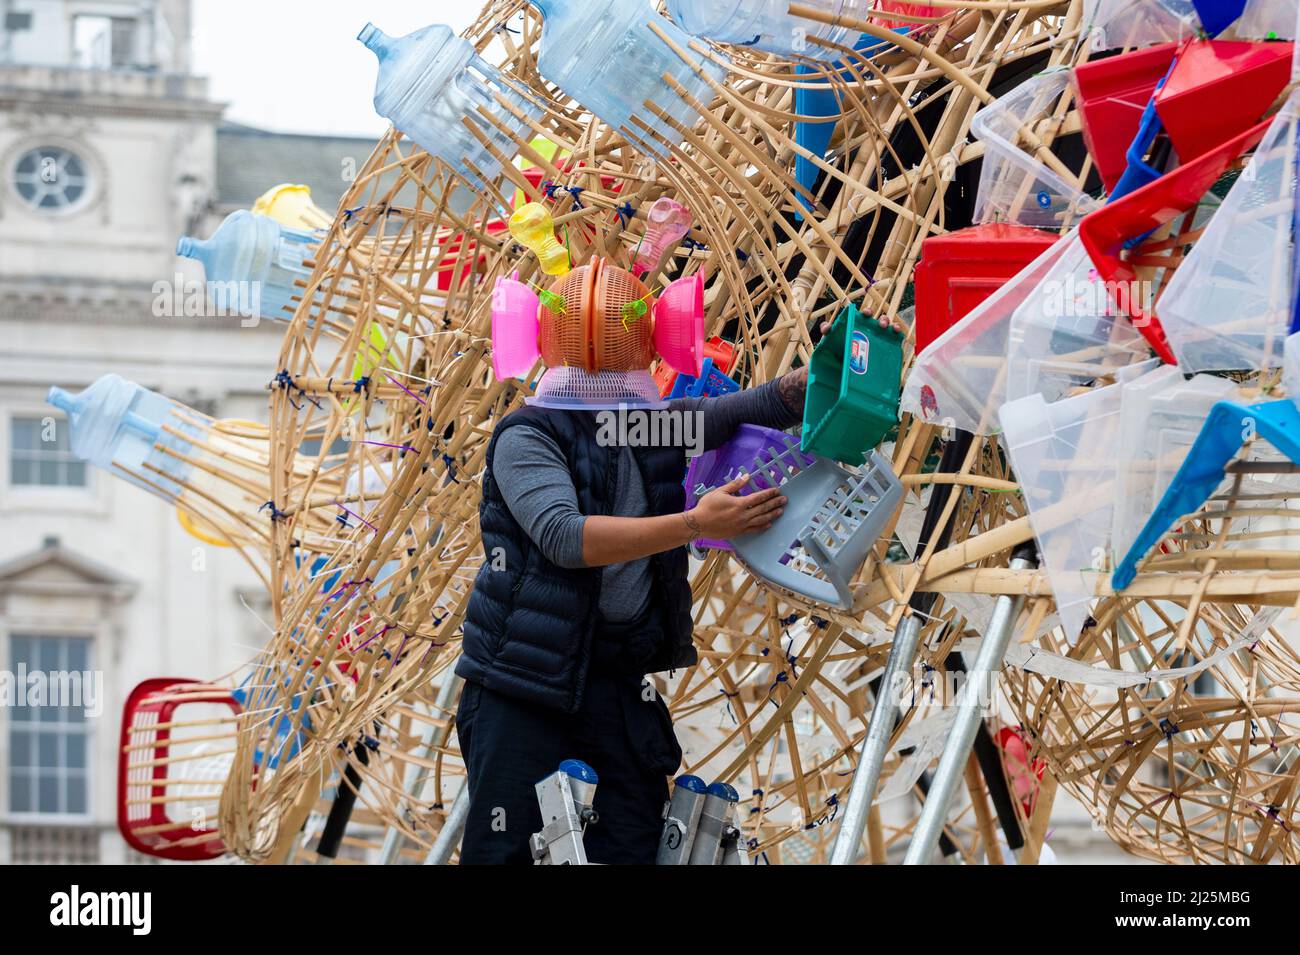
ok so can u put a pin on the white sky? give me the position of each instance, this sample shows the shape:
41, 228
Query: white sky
296, 66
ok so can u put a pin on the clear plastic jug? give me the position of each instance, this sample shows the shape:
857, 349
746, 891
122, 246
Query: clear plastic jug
605, 56
251, 263
429, 82
766, 25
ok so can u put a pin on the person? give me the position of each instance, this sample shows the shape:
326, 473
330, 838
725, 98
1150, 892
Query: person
583, 593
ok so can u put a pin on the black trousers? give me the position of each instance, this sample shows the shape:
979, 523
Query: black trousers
623, 731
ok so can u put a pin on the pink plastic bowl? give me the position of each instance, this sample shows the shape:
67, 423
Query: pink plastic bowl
679, 324
514, 327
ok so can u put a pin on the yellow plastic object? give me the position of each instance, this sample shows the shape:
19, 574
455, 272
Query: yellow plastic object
291, 205
532, 226
544, 148
200, 529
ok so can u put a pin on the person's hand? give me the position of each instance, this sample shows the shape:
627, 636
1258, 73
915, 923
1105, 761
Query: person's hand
723, 514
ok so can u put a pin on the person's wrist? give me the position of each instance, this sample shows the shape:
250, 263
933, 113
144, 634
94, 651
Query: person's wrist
691, 519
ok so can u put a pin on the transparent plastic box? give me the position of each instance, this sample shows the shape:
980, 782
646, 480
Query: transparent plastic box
960, 380
1014, 185
1291, 368
1160, 416
1116, 24
1068, 333
1228, 306
1065, 455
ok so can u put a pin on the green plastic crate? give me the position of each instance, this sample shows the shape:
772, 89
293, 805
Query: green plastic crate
853, 388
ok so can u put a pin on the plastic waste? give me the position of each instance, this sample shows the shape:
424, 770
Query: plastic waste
532, 227
573, 389
1014, 185
711, 383
1291, 368
291, 205
1107, 232
1229, 304
765, 25
1065, 456
1112, 24
514, 327
1220, 438
606, 57
251, 264
667, 222
679, 324
430, 82
853, 387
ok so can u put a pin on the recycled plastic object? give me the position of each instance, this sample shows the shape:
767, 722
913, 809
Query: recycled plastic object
606, 57
750, 447
531, 226
1068, 334
603, 323
154, 756
1065, 456
679, 324
765, 25
1160, 415
719, 358
667, 222
291, 205
833, 517
1228, 306
1106, 232
1291, 368
514, 327
1014, 185
907, 8
250, 264
960, 380
1112, 96
1202, 471
430, 82
853, 386
710, 384
1112, 24
959, 270
1217, 89
1217, 15
117, 425
574, 389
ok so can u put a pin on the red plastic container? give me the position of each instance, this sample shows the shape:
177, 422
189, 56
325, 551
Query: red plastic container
142, 772
722, 352
1105, 232
1112, 93
904, 7
958, 271
1217, 89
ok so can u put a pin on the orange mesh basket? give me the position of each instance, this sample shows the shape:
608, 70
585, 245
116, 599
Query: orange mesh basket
593, 333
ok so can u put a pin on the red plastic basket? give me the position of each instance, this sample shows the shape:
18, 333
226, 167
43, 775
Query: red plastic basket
155, 762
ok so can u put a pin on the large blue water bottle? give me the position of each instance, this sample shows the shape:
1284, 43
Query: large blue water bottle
766, 25
605, 56
251, 264
430, 82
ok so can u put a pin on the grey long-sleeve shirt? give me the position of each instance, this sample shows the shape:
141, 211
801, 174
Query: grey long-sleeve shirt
530, 469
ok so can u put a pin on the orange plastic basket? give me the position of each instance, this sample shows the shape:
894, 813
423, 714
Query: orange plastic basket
594, 333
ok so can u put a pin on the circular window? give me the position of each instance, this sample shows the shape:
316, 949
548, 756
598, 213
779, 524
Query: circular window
51, 178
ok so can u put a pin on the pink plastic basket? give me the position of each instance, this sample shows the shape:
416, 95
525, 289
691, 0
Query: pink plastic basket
679, 324
514, 327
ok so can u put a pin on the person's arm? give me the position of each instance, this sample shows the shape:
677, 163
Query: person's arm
721, 514
534, 479
777, 404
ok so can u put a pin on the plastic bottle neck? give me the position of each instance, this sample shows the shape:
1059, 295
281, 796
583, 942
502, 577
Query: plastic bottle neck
192, 248
377, 41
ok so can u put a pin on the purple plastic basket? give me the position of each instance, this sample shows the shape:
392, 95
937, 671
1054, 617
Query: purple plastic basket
768, 455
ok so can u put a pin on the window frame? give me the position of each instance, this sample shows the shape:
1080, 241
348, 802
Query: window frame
90, 499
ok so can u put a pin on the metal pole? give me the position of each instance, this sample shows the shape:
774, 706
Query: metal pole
449, 836
875, 746
415, 780
970, 711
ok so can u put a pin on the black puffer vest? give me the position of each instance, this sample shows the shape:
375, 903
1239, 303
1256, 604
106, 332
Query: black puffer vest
530, 623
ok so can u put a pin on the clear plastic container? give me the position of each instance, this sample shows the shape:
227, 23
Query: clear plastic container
1291, 368
1065, 455
766, 25
605, 56
960, 380
1014, 185
1069, 333
667, 222
1116, 24
250, 264
1160, 416
117, 425
430, 82
1228, 306
572, 389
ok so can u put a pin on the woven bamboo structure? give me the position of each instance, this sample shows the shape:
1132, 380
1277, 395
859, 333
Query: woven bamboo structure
371, 554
